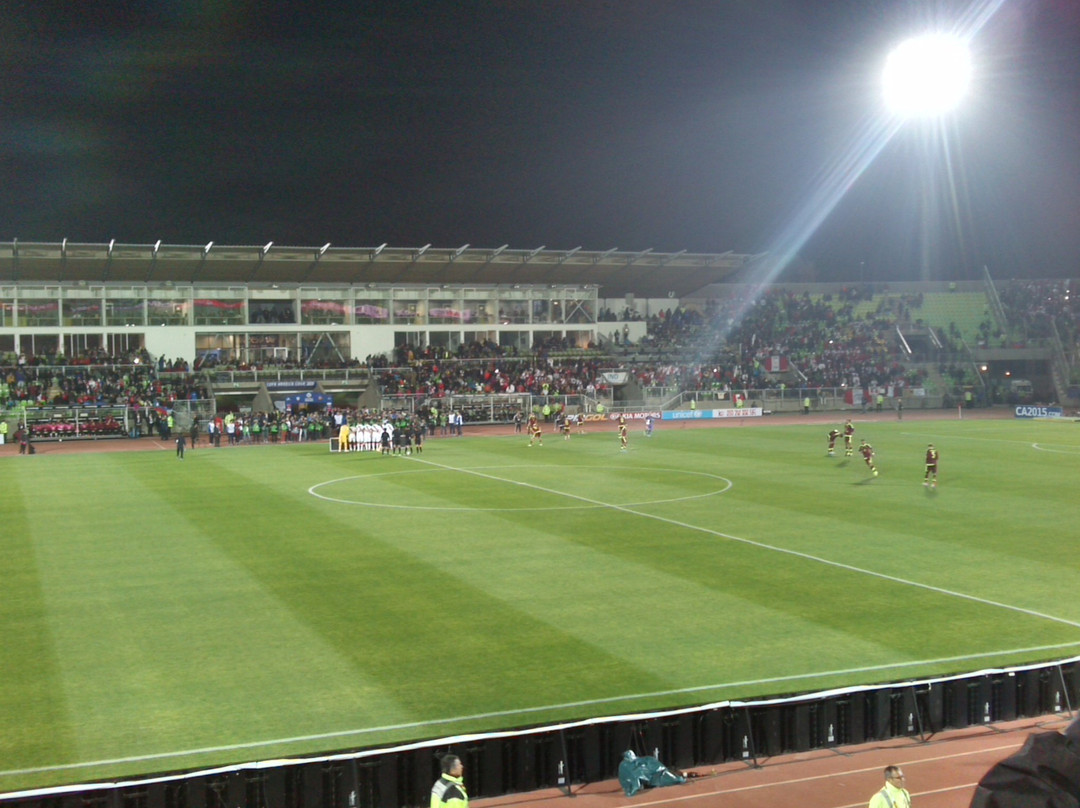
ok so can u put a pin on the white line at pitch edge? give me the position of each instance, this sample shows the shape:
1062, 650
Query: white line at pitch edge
351, 733
613, 699
817, 777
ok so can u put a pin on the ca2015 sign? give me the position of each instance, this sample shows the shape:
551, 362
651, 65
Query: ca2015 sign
1039, 412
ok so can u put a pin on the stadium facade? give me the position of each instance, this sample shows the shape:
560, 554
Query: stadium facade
302, 304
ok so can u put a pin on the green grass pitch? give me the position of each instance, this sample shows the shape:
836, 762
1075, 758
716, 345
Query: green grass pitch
260, 602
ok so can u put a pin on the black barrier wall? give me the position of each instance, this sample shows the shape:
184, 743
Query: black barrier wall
586, 752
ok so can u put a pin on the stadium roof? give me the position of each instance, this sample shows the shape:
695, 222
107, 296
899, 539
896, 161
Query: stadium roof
616, 273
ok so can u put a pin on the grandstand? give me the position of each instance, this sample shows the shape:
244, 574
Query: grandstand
98, 339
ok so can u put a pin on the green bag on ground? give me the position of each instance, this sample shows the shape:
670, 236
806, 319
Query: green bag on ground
636, 772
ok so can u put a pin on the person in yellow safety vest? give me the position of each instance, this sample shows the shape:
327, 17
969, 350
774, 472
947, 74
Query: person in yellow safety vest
893, 795
3, 432
449, 789
806, 405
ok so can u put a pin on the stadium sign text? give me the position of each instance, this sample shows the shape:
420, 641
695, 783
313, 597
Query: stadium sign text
1039, 412
734, 412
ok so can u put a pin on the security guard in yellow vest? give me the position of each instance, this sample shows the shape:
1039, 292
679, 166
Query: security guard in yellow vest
449, 790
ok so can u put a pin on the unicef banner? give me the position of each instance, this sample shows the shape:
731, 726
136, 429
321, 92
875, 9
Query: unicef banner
1039, 412
697, 415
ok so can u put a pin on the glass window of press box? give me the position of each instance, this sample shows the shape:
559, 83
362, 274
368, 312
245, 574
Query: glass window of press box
273, 311
325, 348
578, 306
409, 307
513, 306
445, 308
541, 311
323, 308
215, 349
212, 307
481, 337
444, 340
82, 307
167, 307
269, 349
35, 310
121, 309
519, 341
480, 305
371, 308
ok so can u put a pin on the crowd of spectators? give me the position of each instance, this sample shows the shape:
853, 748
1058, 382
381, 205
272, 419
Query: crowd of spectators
1033, 308
96, 380
735, 340
732, 343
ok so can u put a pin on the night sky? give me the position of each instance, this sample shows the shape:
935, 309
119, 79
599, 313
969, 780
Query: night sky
671, 125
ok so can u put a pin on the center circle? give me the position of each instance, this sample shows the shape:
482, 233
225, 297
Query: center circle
723, 484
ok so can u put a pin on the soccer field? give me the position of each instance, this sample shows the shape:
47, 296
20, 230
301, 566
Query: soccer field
257, 602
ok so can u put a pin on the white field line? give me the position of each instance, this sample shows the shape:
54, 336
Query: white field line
764, 546
520, 711
908, 764
613, 699
937, 436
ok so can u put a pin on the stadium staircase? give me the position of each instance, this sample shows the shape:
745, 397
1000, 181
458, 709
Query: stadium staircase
966, 310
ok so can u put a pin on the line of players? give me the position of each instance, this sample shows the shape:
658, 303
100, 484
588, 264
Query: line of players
564, 424
867, 451
386, 437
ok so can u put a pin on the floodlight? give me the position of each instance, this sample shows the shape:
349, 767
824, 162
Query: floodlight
927, 76
266, 249
111, 243
324, 248
157, 246
206, 249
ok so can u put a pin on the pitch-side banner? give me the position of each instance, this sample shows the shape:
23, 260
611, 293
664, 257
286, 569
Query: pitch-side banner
699, 415
1039, 412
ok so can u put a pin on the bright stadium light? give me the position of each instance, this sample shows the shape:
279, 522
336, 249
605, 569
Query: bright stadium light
927, 76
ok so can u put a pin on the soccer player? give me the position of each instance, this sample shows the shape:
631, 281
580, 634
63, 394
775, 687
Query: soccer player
867, 451
566, 424
622, 434
834, 433
648, 426
930, 478
849, 435
534, 430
